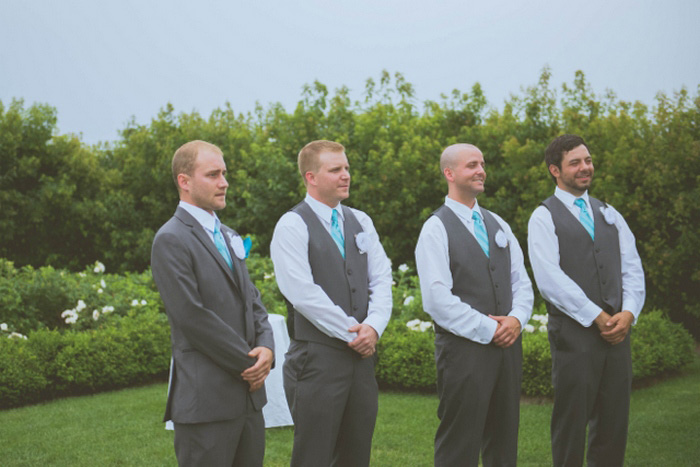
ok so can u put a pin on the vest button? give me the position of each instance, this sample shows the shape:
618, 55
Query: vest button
604, 282
354, 308
354, 290
600, 267
349, 272
496, 285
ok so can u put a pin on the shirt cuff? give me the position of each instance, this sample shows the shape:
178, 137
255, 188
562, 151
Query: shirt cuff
521, 316
587, 315
377, 322
632, 307
486, 330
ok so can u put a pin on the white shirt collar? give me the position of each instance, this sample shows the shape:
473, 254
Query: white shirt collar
322, 210
208, 221
462, 210
568, 199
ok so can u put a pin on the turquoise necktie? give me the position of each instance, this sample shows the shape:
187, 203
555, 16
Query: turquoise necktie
480, 233
585, 217
337, 234
221, 245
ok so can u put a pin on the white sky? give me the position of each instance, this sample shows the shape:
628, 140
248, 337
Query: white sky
102, 62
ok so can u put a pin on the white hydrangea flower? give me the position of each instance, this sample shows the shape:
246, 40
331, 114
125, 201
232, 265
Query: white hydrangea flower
413, 325
103, 284
425, 325
269, 276
107, 309
3, 327
99, 267
95, 315
543, 328
540, 318
403, 268
100, 290
16, 335
144, 302
529, 328
81, 306
134, 302
408, 300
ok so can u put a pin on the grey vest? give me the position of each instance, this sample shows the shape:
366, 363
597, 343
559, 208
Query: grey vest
344, 281
480, 281
595, 266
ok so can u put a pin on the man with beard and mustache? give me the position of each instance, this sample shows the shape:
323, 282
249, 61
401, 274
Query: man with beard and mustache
587, 268
475, 287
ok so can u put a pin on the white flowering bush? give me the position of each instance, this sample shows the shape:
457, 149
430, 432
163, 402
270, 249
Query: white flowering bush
408, 304
32, 299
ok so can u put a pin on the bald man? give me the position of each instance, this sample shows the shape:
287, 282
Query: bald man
475, 287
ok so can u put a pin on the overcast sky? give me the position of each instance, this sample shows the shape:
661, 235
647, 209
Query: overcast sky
102, 62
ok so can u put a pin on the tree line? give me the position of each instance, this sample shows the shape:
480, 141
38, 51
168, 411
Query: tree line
67, 204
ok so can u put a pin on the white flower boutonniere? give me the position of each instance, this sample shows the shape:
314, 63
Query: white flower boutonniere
501, 239
608, 214
236, 243
362, 240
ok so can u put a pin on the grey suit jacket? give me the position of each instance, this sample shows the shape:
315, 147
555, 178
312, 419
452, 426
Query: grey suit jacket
216, 317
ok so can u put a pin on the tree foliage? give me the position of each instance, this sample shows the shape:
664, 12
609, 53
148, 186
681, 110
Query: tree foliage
67, 204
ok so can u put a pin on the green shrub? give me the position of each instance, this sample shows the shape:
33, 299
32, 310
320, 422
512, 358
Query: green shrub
659, 345
21, 377
129, 350
406, 358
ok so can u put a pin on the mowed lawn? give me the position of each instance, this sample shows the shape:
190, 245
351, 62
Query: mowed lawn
123, 428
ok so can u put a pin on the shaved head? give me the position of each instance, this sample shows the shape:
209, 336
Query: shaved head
451, 154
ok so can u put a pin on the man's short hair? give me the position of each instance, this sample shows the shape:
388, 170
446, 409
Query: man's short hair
558, 147
185, 158
448, 157
309, 160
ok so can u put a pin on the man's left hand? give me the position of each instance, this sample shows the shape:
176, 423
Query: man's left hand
366, 341
507, 332
620, 324
256, 374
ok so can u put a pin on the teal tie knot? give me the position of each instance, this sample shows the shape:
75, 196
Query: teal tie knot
480, 233
585, 217
221, 245
337, 234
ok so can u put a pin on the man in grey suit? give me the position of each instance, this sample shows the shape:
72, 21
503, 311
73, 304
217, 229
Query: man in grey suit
333, 271
587, 268
475, 287
222, 343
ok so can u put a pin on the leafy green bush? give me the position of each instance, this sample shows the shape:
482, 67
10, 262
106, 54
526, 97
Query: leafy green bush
406, 358
659, 345
131, 349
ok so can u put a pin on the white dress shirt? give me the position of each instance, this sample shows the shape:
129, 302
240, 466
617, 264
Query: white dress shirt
560, 290
206, 220
433, 265
290, 255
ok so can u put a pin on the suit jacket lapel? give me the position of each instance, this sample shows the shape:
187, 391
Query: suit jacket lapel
206, 241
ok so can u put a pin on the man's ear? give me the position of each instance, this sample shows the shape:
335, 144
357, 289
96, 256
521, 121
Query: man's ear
310, 178
554, 170
183, 182
449, 176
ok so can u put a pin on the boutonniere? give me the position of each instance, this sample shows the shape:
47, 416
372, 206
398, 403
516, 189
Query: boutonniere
362, 240
501, 239
238, 246
608, 214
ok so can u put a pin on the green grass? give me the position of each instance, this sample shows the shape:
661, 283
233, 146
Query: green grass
124, 428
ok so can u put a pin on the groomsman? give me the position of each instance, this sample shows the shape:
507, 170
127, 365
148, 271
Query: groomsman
587, 268
475, 287
222, 343
336, 277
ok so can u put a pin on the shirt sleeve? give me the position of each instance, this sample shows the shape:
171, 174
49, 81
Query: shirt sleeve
379, 277
633, 287
289, 251
521, 286
555, 286
446, 309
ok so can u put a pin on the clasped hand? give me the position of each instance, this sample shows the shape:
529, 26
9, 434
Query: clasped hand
256, 374
366, 341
